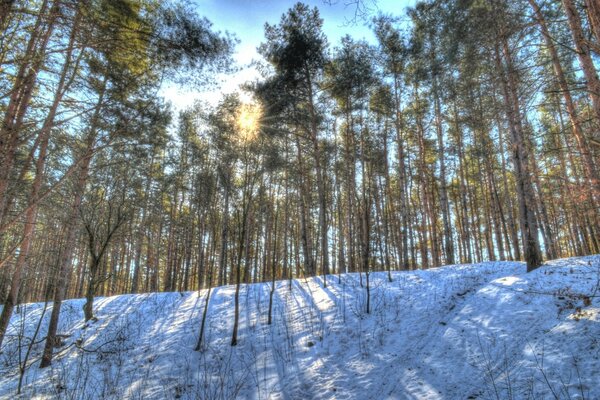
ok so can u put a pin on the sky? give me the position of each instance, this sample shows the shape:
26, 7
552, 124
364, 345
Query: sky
246, 19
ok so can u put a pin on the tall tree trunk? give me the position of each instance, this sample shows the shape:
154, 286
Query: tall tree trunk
238, 270
273, 269
403, 181
141, 235
224, 235
319, 172
71, 233
25, 246
582, 144
20, 95
529, 229
367, 186
444, 205
511, 218
66, 255
593, 13
465, 228
31, 213
585, 60
306, 240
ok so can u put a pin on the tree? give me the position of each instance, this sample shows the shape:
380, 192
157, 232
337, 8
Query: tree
394, 53
584, 56
103, 214
296, 50
582, 143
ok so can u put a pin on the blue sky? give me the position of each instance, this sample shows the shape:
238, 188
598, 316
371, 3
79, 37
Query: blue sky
246, 19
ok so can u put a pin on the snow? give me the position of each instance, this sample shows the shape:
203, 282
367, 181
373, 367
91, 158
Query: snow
482, 331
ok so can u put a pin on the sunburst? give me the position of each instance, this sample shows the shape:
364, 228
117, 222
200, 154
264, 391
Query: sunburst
248, 121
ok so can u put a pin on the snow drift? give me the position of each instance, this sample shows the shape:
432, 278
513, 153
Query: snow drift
483, 331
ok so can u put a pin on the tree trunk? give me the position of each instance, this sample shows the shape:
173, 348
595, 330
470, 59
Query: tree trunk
20, 96
67, 252
25, 246
582, 144
31, 214
320, 182
273, 272
88, 306
593, 13
307, 251
585, 60
529, 230
224, 236
444, 205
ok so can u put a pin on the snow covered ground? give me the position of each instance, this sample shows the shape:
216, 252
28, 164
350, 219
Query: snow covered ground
484, 331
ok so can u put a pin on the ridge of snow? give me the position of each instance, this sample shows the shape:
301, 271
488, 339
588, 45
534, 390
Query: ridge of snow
481, 331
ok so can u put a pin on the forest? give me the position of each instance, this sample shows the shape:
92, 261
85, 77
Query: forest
469, 132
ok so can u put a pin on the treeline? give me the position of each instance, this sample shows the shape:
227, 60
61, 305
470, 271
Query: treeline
470, 132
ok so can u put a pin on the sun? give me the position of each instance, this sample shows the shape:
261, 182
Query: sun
248, 121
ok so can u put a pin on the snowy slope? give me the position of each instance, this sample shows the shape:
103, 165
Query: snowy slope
484, 331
